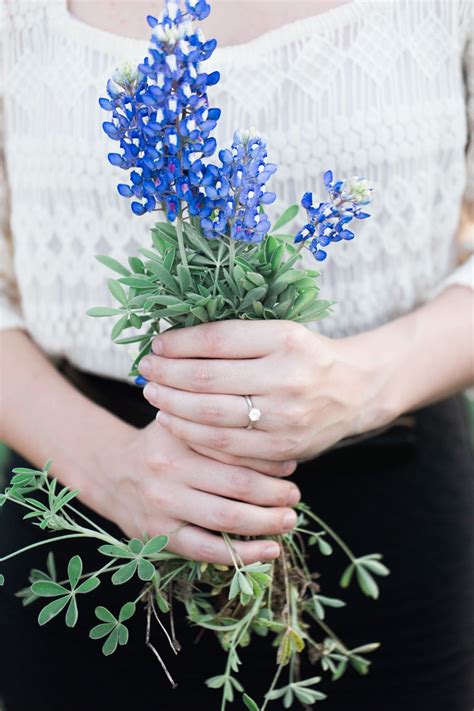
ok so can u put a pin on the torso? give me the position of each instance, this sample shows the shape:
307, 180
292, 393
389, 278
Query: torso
230, 22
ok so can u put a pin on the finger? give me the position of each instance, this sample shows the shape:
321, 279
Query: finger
264, 466
234, 482
219, 514
198, 544
217, 410
222, 339
230, 440
238, 377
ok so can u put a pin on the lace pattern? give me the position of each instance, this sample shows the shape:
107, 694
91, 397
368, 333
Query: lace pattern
374, 87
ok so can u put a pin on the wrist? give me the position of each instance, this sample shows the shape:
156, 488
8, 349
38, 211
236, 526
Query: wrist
104, 453
376, 357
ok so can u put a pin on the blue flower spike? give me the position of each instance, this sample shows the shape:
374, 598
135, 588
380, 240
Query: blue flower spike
327, 222
160, 110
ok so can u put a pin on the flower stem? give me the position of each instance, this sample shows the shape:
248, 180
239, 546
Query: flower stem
332, 533
180, 235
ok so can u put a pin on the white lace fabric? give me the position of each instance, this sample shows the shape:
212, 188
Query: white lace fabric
383, 89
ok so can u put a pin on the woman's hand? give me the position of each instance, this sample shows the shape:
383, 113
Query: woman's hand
312, 391
154, 483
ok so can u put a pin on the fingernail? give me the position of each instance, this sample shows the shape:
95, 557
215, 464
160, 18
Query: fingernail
156, 346
163, 418
289, 520
150, 391
293, 496
271, 550
289, 467
144, 366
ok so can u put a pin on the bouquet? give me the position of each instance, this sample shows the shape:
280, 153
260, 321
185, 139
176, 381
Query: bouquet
214, 256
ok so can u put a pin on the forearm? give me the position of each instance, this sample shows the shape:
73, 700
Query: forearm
43, 417
424, 356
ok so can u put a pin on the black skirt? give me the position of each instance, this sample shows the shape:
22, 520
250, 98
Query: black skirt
407, 493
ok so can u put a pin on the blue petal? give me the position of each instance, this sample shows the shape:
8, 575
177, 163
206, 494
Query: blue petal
137, 208
327, 177
124, 190
106, 104
307, 200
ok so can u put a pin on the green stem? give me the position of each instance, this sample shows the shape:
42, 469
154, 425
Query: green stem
180, 235
273, 684
332, 533
41, 543
231, 255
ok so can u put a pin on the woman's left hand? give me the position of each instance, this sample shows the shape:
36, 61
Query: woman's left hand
312, 391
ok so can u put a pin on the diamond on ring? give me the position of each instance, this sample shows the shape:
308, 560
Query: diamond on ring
254, 413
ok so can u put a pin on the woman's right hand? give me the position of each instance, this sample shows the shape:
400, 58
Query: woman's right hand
153, 483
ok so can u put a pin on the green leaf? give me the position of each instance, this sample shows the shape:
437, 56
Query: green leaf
155, 545
74, 570
100, 631
46, 588
23, 479
136, 265
216, 682
110, 644
103, 311
330, 601
347, 576
139, 281
135, 320
366, 582
131, 339
250, 703
162, 603
277, 256
2, 579
127, 611
88, 585
200, 313
374, 566
289, 214
360, 664
184, 278
122, 635
135, 545
125, 573
234, 586
255, 278
324, 547
52, 609
120, 325
25, 470
115, 551
164, 276
146, 570
341, 668
276, 693
117, 291
257, 294
105, 615
72, 612
307, 696
245, 584
113, 264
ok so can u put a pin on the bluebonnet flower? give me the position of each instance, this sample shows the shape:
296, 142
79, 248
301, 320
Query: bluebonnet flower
236, 189
327, 222
161, 115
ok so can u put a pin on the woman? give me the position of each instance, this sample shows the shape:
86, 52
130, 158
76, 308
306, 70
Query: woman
370, 87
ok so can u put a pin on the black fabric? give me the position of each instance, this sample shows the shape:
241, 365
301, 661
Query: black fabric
407, 493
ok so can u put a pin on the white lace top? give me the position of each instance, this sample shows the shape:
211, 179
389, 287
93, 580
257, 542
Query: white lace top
372, 87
